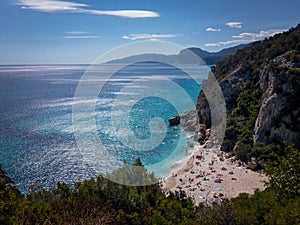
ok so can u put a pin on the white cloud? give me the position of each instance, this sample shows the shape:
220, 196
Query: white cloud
81, 37
76, 32
258, 36
245, 38
218, 44
68, 6
51, 5
212, 29
234, 24
152, 37
124, 13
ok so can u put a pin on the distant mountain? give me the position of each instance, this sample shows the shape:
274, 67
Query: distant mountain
184, 57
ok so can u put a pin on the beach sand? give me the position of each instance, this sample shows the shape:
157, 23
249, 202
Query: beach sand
213, 177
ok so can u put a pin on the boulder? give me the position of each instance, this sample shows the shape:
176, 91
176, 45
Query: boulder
174, 121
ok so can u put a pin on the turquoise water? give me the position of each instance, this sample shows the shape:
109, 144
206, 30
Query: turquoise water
37, 135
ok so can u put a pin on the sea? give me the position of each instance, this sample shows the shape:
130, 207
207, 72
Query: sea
38, 141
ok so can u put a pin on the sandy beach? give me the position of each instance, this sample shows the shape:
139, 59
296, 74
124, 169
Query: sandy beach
209, 176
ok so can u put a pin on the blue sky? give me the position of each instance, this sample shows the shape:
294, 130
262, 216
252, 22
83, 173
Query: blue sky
79, 31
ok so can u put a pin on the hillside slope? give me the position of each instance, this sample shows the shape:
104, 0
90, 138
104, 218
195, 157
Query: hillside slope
261, 87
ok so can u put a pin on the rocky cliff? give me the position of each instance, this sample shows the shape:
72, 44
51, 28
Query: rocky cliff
279, 114
261, 88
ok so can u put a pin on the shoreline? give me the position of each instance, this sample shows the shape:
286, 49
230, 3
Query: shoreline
208, 175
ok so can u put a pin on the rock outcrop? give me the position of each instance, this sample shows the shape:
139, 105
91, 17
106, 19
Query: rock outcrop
174, 121
201, 134
189, 120
279, 114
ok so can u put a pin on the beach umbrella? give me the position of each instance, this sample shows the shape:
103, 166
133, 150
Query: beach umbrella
201, 196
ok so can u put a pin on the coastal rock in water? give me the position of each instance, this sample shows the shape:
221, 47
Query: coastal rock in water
8, 181
174, 121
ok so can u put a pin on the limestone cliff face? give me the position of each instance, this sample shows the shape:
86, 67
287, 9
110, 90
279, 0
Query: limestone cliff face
261, 88
279, 114
229, 85
278, 119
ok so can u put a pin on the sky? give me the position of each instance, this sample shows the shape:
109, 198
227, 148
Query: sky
80, 31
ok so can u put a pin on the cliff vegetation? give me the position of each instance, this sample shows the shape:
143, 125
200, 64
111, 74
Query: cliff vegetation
261, 87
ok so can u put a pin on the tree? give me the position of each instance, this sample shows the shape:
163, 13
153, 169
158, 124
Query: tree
285, 173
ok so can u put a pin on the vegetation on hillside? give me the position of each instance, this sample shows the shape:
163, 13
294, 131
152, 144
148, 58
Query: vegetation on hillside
257, 55
245, 99
101, 201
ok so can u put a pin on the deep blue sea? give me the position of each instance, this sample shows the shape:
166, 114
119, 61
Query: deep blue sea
37, 142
